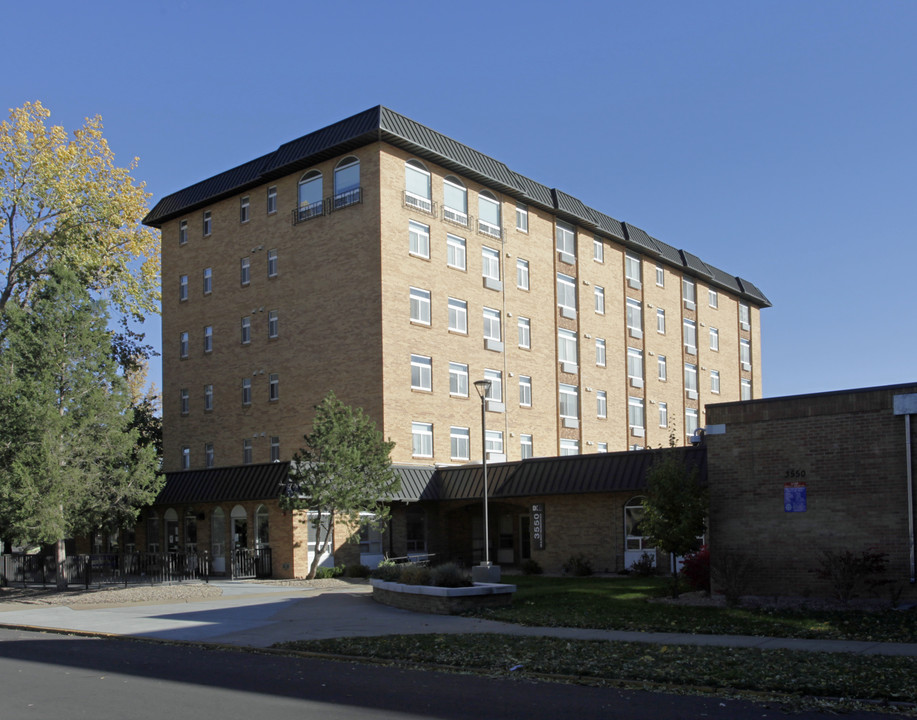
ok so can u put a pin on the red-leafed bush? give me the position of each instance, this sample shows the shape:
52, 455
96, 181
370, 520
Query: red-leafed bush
696, 569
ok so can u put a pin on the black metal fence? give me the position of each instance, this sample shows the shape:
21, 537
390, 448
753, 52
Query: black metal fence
105, 568
251, 563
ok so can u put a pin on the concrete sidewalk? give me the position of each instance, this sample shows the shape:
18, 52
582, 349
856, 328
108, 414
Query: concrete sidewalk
259, 615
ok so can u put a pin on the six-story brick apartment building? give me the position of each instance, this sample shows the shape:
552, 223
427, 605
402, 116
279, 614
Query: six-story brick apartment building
389, 263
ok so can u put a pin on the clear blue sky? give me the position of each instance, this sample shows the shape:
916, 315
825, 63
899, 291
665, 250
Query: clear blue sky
778, 139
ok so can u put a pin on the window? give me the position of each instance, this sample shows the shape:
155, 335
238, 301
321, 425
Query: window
744, 316
493, 442
422, 439
208, 397
184, 401
569, 401
660, 321
635, 366
601, 403
275, 448
715, 381
522, 218
208, 338
495, 392
601, 447
455, 201
309, 196
691, 380
420, 306
208, 455
185, 460
346, 183
569, 447
419, 235
566, 242
460, 443
745, 354
273, 324
458, 315
660, 276
246, 330
489, 220
690, 421
272, 199
635, 416
421, 373
598, 250
273, 387
599, 300
245, 270
455, 251
525, 332
522, 274
690, 337
634, 318
745, 389
714, 298
492, 325
600, 352
632, 270
566, 347
247, 451
660, 365
566, 295
208, 223
183, 345
525, 391
271, 263
243, 209
663, 415
246, 391
458, 379
182, 232
182, 288
208, 280
417, 186
688, 293
714, 339
490, 266
525, 446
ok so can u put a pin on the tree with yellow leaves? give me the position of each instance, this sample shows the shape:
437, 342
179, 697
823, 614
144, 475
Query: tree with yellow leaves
63, 201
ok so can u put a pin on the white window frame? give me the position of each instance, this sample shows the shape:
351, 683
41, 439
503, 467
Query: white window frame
457, 215
184, 399
601, 352
459, 443
272, 263
636, 416
419, 239
208, 280
273, 324
246, 391
633, 270
489, 206
598, 249
569, 446
490, 264
713, 298
493, 442
634, 315
565, 238
522, 218
691, 378
635, 366
601, 403
599, 292
247, 451
275, 448
566, 295
745, 353
567, 347
246, 329
493, 329
456, 252
208, 455
568, 401
411, 199
522, 274
422, 439
245, 203
601, 447
526, 446
420, 306
495, 390
714, 339
273, 392
524, 325
182, 232
458, 316
660, 276
690, 332
689, 293
183, 340
691, 421
525, 391
660, 321
663, 415
458, 379
715, 382
272, 200
245, 271
421, 373
208, 338
745, 389
208, 223
744, 316
661, 369
182, 288
208, 398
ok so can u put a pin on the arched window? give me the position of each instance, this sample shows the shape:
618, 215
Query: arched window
239, 527
190, 532
171, 518
455, 200
262, 530
153, 530
310, 195
633, 519
417, 186
489, 221
347, 182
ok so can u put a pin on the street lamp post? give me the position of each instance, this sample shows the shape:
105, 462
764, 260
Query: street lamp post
483, 387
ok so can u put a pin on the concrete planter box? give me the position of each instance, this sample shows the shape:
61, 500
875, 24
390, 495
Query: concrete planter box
440, 600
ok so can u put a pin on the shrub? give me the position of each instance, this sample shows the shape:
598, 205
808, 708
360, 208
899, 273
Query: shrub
732, 572
387, 571
415, 575
645, 566
578, 565
326, 573
531, 567
848, 574
696, 569
356, 571
449, 575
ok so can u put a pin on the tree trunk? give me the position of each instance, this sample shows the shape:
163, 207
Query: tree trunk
60, 557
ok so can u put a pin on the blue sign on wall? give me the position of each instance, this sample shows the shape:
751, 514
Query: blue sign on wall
794, 497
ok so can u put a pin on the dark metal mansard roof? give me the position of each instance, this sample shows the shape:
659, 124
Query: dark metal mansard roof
570, 475
381, 124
